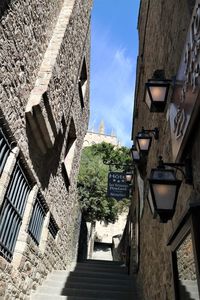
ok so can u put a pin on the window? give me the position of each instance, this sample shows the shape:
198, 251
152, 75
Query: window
70, 149
53, 227
185, 248
83, 82
4, 150
12, 211
39, 212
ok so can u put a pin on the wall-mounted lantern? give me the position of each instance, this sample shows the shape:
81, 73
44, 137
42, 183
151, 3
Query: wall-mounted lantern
156, 91
144, 139
129, 176
164, 187
134, 154
140, 161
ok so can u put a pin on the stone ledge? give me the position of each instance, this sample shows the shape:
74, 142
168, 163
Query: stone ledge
36, 112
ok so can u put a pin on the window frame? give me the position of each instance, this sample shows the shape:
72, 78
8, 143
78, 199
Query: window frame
82, 82
16, 210
188, 224
40, 202
53, 227
6, 152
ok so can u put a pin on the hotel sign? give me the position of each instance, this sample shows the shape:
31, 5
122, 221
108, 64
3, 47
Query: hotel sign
118, 188
186, 95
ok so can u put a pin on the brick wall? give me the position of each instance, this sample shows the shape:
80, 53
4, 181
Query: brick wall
163, 27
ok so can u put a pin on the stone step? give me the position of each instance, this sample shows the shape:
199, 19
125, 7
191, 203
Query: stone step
84, 292
58, 287
105, 280
98, 286
189, 289
101, 262
57, 297
98, 265
101, 269
89, 274
53, 281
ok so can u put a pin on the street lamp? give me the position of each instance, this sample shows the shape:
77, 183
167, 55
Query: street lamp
156, 92
164, 187
134, 154
144, 139
128, 176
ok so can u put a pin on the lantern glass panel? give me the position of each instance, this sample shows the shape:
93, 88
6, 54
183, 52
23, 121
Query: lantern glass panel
135, 155
148, 99
150, 200
165, 195
144, 143
158, 93
128, 177
163, 174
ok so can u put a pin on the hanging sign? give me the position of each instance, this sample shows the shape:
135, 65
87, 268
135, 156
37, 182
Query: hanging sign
118, 188
186, 96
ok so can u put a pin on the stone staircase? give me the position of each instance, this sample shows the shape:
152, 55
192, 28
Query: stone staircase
188, 290
92, 279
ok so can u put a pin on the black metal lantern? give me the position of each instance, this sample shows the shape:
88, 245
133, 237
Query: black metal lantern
156, 92
128, 176
134, 154
164, 189
144, 139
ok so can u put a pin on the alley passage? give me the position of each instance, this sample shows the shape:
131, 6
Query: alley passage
92, 279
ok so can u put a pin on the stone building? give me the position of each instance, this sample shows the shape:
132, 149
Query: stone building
92, 138
44, 96
100, 231
166, 256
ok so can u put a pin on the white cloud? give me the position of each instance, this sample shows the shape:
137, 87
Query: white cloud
112, 87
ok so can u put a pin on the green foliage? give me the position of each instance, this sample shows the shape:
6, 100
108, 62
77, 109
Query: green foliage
92, 181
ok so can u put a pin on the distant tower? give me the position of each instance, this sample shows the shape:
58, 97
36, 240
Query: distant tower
101, 127
112, 133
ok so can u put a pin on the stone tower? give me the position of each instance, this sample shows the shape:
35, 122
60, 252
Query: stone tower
44, 96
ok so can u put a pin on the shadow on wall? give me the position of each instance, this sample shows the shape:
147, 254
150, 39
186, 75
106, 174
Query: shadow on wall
4, 5
105, 247
82, 244
47, 164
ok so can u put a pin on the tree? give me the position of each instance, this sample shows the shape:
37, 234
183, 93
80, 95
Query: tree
92, 181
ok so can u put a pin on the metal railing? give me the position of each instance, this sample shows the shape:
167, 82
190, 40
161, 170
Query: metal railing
12, 211
39, 212
53, 227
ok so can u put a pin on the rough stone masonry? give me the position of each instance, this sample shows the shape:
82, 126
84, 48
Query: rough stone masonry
44, 61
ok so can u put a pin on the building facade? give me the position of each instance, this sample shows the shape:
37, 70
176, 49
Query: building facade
92, 138
165, 256
44, 96
101, 231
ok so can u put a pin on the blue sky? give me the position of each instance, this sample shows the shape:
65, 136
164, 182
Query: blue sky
114, 48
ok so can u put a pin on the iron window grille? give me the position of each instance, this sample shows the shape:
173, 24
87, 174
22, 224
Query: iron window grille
53, 227
39, 212
4, 150
12, 211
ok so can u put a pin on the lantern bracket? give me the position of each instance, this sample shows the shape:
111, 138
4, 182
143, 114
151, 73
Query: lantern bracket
154, 131
186, 172
159, 75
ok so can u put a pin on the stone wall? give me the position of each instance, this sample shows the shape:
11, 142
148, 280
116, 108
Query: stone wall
27, 30
104, 232
185, 260
163, 27
92, 138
